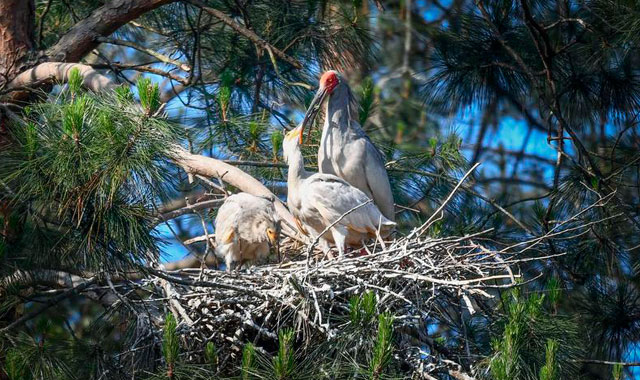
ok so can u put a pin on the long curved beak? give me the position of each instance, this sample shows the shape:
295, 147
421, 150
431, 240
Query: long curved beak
313, 109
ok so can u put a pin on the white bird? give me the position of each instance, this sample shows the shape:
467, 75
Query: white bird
246, 227
319, 200
345, 149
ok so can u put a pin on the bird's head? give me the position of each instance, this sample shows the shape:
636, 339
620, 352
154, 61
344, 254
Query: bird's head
328, 83
291, 141
272, 230
330, 80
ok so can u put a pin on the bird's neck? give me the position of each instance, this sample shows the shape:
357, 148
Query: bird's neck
338, 109
297, 171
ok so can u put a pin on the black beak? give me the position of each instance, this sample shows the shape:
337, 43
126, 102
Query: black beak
275, 246
313, 109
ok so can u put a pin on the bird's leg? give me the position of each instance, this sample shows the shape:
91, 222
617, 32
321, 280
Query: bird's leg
340, 238
228, 260
323, 244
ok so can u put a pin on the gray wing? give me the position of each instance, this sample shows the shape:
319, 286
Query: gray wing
376, 174
378, 181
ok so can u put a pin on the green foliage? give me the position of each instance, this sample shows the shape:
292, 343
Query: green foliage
383, 347
211, 353
224, 93
170, 341
533, 343
248, 360
277, 137
75, 81
149, 95
549, 370
89, 168
73, 116
14, 367
362, 308
617, 371
366, 100
433, 143
123, 94
37, 358
284, 363
553, 292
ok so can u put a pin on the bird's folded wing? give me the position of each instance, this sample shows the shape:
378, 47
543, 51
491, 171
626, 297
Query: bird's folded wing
378, 182
226, 220
333, 197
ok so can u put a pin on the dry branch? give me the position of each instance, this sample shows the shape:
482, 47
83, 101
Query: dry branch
210, 167
49, 72
408, 277
161, 57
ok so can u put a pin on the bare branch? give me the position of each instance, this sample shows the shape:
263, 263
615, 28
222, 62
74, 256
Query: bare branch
49, 72
188, 209
210, 167
159, 56
52, 302
143, 68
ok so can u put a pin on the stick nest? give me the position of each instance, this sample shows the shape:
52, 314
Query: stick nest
413, 278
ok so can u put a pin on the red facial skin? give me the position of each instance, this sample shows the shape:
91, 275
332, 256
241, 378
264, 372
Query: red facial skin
329, 81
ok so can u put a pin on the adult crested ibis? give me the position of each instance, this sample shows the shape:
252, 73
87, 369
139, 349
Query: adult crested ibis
345, 149
319, 200
246, 227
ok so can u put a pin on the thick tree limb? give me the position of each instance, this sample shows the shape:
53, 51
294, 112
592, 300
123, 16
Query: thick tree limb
49, 72
16, 36
49, 277
251, 35
210, 167
102, 22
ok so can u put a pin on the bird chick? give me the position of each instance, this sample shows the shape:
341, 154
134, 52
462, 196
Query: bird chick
319, 200
246, 228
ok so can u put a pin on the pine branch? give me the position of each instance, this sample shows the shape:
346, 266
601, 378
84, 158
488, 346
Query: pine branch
52, 302
161, 57
251, 35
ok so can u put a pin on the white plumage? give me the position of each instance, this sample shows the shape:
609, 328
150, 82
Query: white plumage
246, 227
318, 200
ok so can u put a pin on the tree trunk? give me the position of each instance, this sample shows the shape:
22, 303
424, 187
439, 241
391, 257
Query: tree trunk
16, 36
